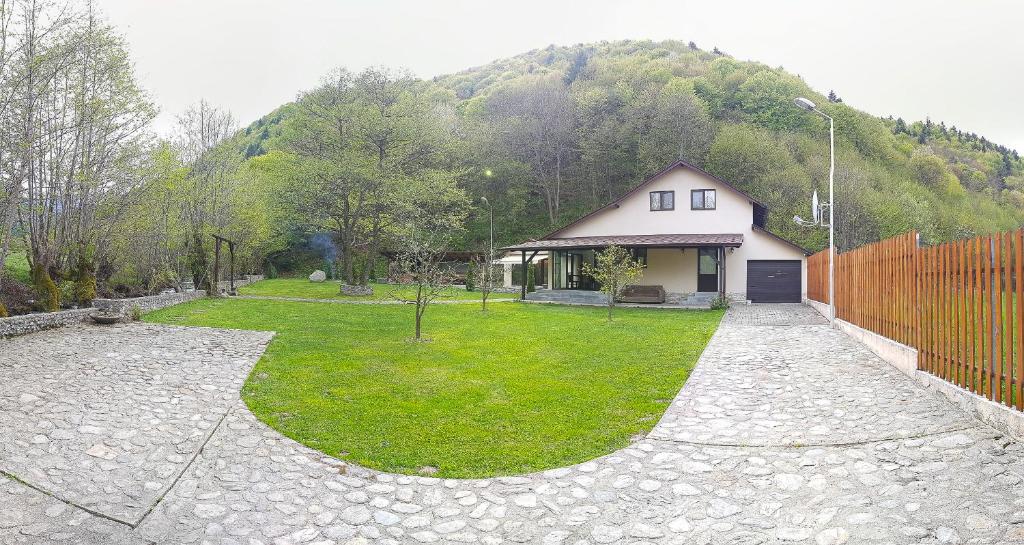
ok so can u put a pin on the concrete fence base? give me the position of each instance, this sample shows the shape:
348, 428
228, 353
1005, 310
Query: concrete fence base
903, 357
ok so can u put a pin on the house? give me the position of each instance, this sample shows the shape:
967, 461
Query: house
698, 236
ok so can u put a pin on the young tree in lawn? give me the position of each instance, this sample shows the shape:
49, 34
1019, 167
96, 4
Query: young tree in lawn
484, 272
421, 261
615, 269
433, 208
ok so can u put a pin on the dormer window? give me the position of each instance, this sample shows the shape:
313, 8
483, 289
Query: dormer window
702, 199
663, 200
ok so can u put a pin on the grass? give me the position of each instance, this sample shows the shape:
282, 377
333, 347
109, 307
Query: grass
17, 266
302, 287
518, 389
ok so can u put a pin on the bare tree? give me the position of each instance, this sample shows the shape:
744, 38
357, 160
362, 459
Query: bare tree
485, 277
75, 121
431, 279
535, 124
204, 202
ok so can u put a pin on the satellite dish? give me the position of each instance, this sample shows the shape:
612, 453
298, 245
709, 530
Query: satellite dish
815, 209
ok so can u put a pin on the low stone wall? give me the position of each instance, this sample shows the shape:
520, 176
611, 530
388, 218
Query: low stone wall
225, 285
30, 323
903, 357
148, 303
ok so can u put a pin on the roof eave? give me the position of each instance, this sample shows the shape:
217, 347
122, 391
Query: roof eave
783, 240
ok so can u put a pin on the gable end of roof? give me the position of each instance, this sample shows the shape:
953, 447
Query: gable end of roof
677, 164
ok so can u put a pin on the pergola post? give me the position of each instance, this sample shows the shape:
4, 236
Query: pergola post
526, 273
215, 284
231, 248
216, 265
523, 279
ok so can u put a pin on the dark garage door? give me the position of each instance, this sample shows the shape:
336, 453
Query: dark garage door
773, 281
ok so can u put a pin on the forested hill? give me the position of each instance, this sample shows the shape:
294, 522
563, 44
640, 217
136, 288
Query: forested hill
550, 134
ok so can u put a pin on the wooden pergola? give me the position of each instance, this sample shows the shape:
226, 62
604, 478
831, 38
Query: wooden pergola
216, 265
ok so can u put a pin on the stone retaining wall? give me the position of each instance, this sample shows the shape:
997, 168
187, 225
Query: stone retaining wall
30, 323
148, 303
225, 285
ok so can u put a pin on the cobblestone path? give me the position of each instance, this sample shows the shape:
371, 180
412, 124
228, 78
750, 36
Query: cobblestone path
787, 432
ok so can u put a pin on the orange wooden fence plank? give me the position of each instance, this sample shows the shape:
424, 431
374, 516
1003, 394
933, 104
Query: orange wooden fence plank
1019, 319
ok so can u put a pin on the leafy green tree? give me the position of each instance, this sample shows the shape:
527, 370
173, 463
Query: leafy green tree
614, 268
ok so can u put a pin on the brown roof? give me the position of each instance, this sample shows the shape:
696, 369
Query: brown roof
784, 241
664, 241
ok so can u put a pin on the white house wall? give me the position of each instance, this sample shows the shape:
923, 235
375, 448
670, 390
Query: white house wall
676, 270
673, 268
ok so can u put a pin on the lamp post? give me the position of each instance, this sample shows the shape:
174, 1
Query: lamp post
490, 246
809, 106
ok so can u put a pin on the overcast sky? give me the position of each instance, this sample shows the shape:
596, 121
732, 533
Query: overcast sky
958, 62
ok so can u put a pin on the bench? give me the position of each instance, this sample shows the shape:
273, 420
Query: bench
642, 294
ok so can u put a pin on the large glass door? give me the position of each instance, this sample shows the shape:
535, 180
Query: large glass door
707, 269
573, 270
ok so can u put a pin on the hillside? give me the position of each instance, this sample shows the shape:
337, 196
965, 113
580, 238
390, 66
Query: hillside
564, 129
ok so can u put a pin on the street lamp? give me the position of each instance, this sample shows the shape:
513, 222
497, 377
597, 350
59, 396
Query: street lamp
490, 251
490, 213
810, 107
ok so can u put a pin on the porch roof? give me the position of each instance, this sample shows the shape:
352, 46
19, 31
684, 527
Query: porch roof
661, 241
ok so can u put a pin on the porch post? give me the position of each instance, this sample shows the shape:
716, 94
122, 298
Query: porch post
523, 278
722, 273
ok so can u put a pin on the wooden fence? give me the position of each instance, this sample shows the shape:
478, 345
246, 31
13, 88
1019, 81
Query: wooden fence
956, 302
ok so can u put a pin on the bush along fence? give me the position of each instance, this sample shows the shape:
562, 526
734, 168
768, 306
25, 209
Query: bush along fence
958, 303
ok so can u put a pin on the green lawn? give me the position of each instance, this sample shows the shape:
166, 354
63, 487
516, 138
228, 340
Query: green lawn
17, 266
520, 388
302, 287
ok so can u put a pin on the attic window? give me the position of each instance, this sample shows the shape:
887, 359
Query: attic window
702, 199
663, 200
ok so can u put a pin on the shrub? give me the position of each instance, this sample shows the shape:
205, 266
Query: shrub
165, 278
67, 293
720, 302
135, 313
270, 270
16, 296
471, 273
531, 278
3, 310
47, 293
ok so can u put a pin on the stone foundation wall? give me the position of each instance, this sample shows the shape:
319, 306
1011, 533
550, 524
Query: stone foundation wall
30, 323
148, 303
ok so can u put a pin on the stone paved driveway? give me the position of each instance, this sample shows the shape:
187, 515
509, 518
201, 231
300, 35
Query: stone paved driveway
786, 432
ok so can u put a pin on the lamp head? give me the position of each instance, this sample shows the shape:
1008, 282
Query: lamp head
805, 104
485, 201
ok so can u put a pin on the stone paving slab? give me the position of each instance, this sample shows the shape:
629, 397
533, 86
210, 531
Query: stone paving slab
30, 517
799, 385
108, 417
894, 466
252, 485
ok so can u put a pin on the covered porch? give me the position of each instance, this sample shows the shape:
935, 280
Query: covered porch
690, 267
